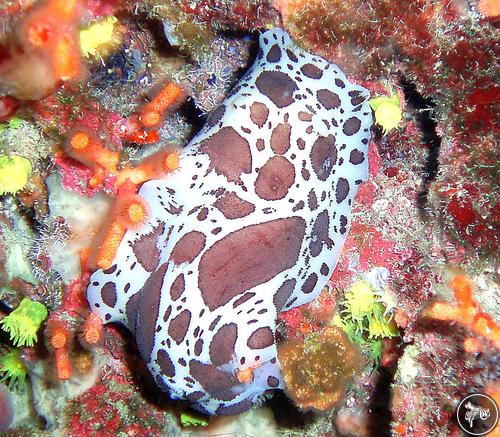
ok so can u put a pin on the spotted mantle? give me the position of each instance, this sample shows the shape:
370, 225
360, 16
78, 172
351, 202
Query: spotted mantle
251, 225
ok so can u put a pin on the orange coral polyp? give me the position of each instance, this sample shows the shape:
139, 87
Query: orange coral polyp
150, 119
136, 213
166, 163
92, 335
80, 141
172, 161
59, 338
92, 329
131, 211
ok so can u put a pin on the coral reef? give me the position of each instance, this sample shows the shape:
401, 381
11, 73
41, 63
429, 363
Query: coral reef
98, 97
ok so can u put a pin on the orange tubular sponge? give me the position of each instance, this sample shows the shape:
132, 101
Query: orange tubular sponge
466, 312
91, 152
136, 175
63, 364
58, 336
156, 166
107, 249
65, 9
66, 58
462, 289
153, 111
93, 333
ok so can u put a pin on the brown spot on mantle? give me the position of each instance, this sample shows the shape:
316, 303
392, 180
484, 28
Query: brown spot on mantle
323, 156
275, 178
222, 345
188, 247
228, 268
217, 383
278, 86
145, 249
229, 153
147, 312
232, 206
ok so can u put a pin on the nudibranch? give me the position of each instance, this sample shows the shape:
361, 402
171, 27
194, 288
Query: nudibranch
251, 225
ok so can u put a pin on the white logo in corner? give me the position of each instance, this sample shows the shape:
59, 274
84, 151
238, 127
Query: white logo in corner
477, 414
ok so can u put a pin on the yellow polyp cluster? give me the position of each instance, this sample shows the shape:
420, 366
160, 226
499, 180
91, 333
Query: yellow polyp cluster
359, 301
13, 368
364, 309
388, 112
23, 323
14, 173
97, 35
366, 318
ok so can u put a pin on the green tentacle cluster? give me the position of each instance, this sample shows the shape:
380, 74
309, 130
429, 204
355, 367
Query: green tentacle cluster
23, 323
13, 369
365, 319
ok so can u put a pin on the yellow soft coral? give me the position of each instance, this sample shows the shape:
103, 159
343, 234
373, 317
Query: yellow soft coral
23, 323
13, 369
366, 318
388, 112
96, 35
14, 173
359, 301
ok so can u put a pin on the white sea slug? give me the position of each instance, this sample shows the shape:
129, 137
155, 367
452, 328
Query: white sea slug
251, 225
